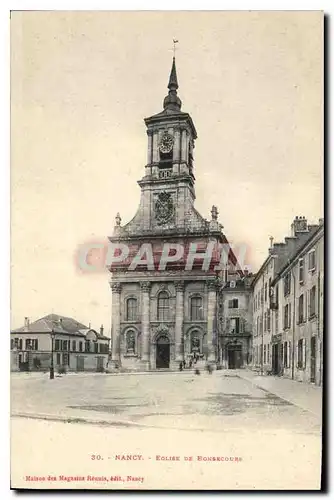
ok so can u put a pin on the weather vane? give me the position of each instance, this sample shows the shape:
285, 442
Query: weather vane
174, 48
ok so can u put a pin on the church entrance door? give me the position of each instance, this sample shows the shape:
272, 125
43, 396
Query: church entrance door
163, 352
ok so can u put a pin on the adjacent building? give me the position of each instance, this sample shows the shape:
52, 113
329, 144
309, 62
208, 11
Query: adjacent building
74, 346
299, 299
288, 306
235, 323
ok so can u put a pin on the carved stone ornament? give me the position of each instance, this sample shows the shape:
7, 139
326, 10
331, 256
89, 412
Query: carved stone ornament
162, 329
164, 208
145, 286
179, 286
212, 285
116, 287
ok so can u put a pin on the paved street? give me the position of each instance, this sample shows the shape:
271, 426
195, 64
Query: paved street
218, 414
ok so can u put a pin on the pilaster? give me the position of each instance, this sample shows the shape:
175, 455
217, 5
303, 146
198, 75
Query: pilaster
145, 323
179, 313
212, 301
116, 324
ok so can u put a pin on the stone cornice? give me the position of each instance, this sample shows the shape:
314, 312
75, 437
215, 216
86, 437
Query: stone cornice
168, 180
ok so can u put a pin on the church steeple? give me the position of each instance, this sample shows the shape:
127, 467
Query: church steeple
172, 101
172, 84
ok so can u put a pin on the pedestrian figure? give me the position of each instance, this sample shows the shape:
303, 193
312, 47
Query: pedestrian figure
209, 369
197, 372
181, 366
190, 363
184, 363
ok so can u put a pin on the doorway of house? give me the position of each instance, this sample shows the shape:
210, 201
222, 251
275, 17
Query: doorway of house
80, 364
313, 359
234, 356
277, 356
163, 352
99, 364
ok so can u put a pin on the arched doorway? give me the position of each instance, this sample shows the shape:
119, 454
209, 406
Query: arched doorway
162, 352
234, 355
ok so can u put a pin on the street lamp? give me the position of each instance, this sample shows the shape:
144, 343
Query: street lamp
96, 350
52, 370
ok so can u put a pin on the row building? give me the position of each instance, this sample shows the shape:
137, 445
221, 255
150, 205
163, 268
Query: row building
288, 306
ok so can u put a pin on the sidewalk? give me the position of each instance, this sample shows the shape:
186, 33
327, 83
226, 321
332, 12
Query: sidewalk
305, 396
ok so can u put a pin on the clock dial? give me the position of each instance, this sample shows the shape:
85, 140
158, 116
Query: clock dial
166, 143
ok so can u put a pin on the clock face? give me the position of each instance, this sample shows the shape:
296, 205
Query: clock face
166, 143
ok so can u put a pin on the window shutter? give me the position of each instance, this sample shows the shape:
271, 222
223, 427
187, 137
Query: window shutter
288, 355
242, 322
304, 353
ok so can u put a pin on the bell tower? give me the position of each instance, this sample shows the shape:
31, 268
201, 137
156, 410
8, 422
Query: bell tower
169, 172
153, 301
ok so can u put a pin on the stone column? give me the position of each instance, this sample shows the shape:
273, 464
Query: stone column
155, 154
212, 299
149, 147
176, 149
116, 324
179, 314
145, 324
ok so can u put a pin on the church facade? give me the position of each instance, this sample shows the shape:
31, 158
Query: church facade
166, 288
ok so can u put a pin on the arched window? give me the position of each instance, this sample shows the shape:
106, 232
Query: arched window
131, 309
130, 342
163, 306
196, 308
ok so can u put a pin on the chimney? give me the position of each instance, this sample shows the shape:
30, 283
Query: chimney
90, 325
26, 323
214, 212
101, 330
299, 225
117, 227
271, 239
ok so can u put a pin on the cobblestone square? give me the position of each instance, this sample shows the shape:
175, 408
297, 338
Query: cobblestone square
165, 414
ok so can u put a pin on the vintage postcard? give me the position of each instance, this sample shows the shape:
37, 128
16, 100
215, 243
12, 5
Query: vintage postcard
167, 250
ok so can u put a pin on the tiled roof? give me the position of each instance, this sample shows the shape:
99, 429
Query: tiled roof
59, 324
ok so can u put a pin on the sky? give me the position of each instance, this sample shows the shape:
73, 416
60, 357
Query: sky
81, 85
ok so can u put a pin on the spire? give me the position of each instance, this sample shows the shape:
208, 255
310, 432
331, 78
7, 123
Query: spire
173, 85
172, 101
